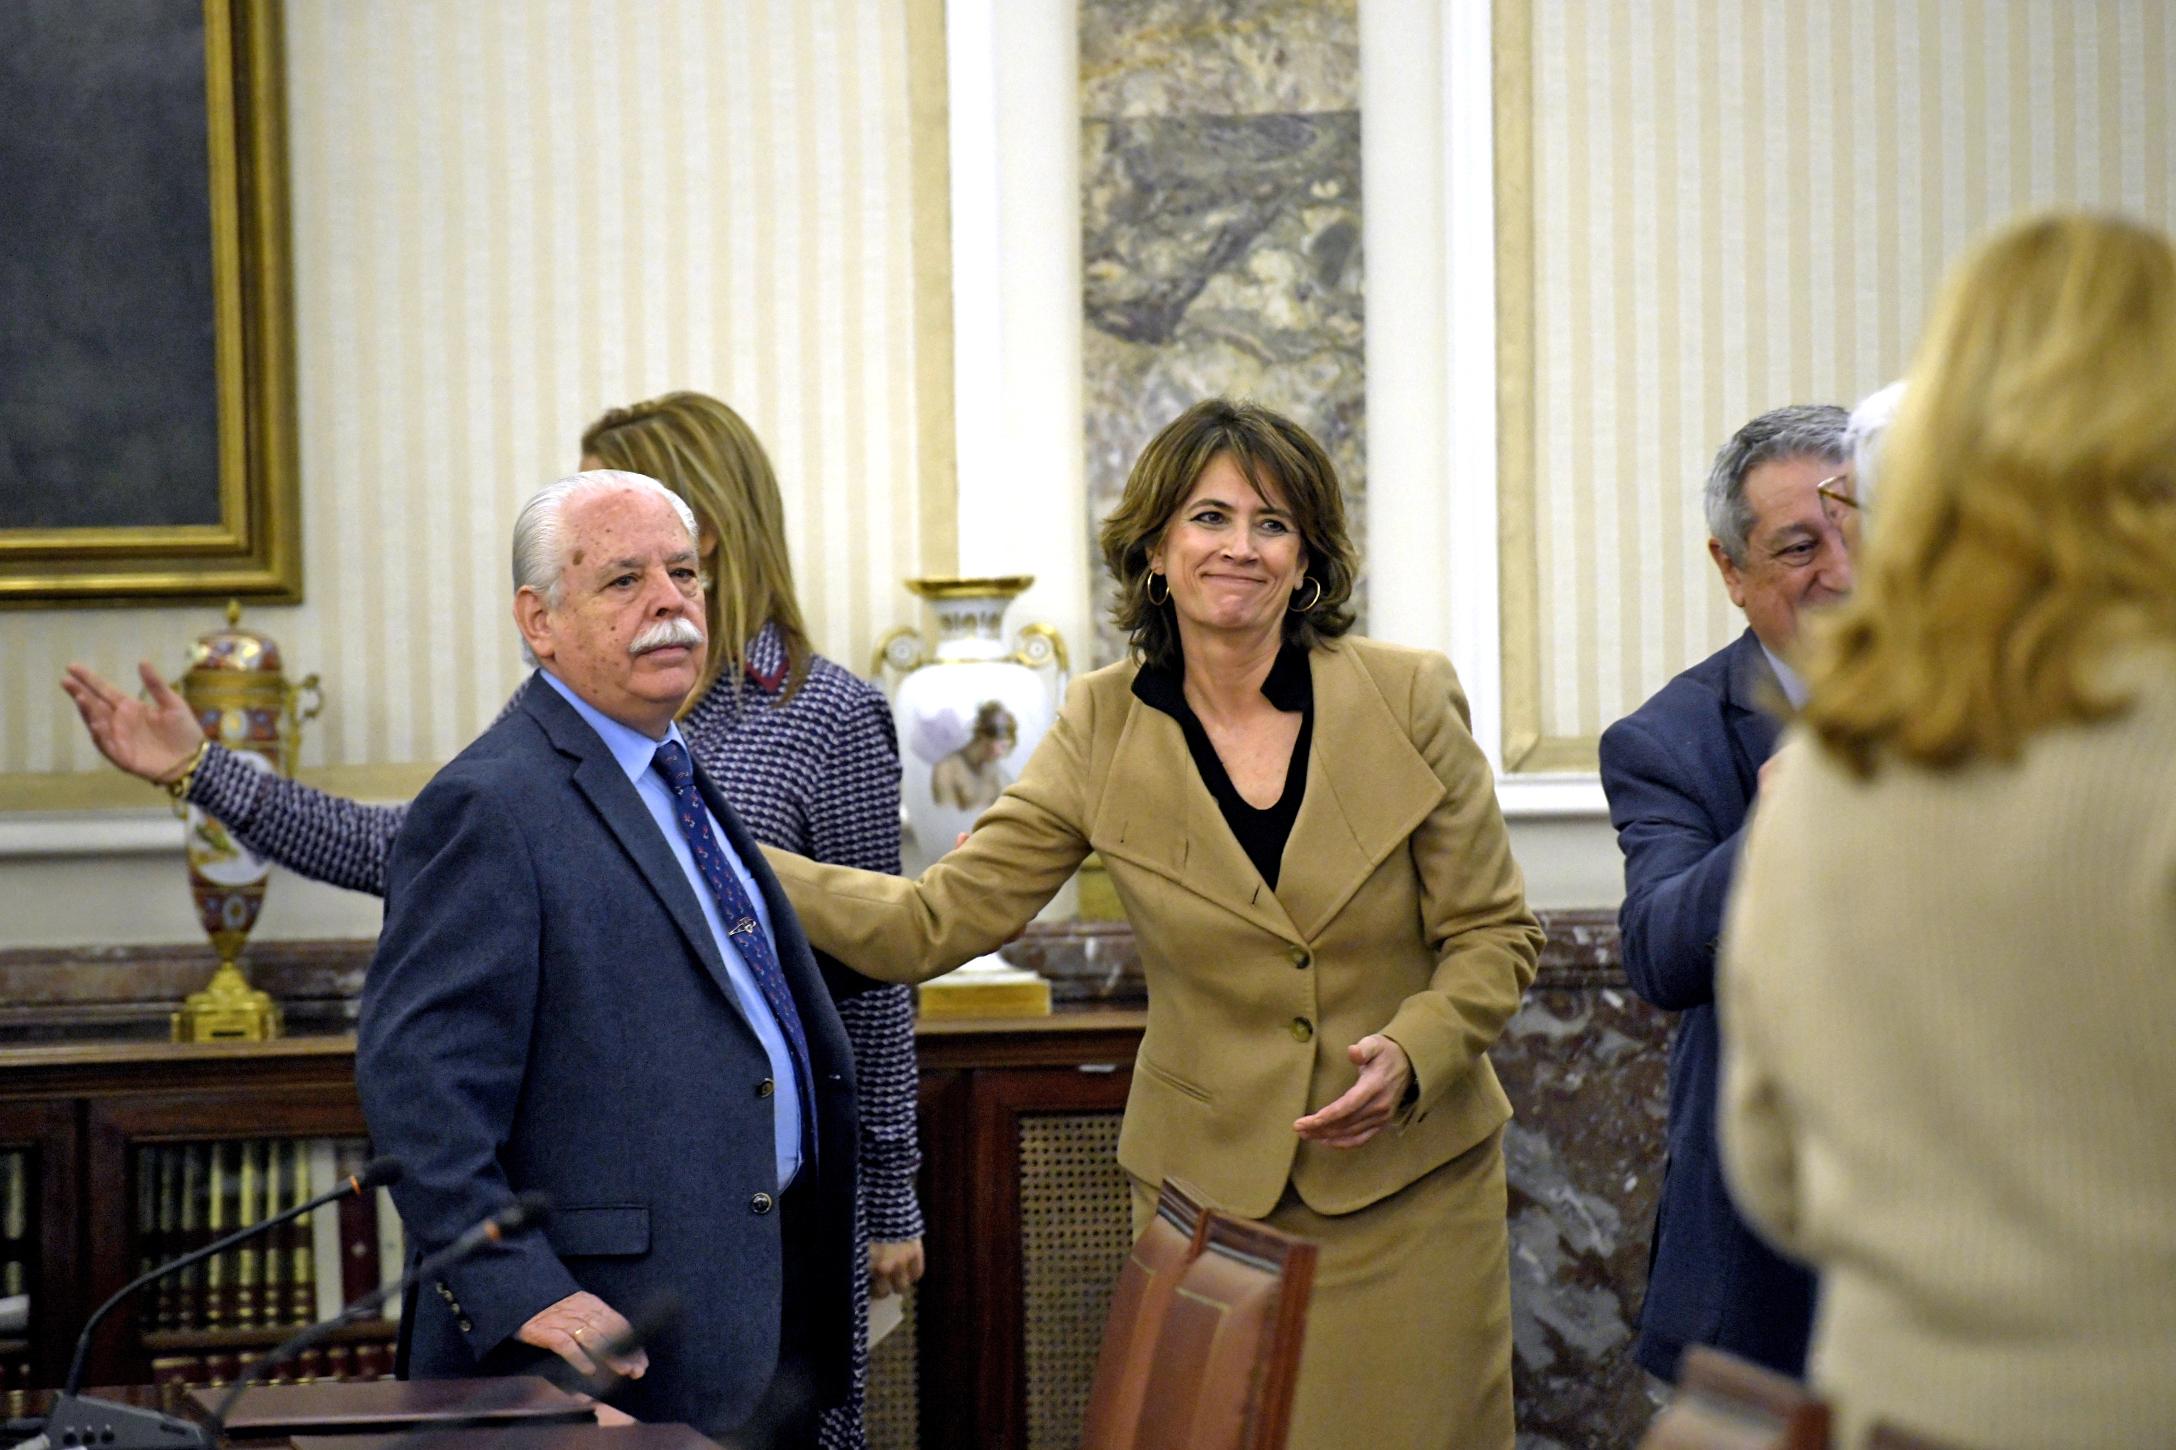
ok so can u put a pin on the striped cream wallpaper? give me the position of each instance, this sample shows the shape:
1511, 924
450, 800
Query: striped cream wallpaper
1726, 205
509, 217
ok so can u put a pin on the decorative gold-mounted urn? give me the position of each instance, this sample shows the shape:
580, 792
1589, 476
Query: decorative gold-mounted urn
245, 703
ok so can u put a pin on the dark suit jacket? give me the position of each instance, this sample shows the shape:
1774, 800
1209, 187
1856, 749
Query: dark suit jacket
1680, 774
548, 1011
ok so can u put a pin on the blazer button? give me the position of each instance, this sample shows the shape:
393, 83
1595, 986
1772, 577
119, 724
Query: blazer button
1299, 956
445, 1293
1302, 1029
760, 1204
765, 1088
466, 1327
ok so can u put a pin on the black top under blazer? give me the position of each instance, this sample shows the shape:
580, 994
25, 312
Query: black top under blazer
548, 1011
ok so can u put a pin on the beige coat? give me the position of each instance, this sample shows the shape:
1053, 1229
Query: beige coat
1949, 1019
1399, 910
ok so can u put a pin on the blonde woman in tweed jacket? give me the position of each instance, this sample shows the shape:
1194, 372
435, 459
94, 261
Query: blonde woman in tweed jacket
1949, 973
804, 749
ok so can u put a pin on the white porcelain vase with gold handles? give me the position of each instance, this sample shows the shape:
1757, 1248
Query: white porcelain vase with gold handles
970, 706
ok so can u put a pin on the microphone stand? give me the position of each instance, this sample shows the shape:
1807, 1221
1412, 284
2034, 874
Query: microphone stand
81, 1420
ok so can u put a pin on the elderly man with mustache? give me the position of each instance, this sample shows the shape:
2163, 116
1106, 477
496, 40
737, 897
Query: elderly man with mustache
589, 984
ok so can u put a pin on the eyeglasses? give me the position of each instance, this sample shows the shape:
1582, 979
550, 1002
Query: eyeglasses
1832, 488
1842, 509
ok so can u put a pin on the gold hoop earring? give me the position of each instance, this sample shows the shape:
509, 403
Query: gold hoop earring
1150, 590
1309, 606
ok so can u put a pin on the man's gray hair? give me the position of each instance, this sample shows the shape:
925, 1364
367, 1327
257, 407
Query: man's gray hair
540, 531
1869, 421
1801, 430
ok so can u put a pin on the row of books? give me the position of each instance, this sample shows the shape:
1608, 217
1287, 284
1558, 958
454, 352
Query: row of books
18, 1256
16, 1252
363, 1360
188, 1194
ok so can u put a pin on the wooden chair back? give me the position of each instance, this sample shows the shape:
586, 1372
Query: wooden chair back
1228, 1358
1138, 1306
1726, 1403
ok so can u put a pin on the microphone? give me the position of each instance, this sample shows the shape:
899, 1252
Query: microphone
80, 1420
528, 1211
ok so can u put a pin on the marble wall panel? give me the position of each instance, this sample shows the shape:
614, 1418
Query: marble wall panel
1585, 1067
1218, 57
1220, 215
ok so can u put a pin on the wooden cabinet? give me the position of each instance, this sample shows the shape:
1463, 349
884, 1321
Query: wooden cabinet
1029, 1221
1027, 1213
92, 1117
42, 1253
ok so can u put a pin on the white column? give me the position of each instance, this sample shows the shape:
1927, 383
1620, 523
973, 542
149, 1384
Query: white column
1402, 207
1427, 99
1016, 289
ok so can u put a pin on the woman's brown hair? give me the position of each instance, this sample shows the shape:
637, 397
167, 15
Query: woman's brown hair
1269, 449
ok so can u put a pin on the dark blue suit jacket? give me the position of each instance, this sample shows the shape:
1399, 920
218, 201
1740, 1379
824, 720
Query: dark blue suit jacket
1680, 774
549, 1011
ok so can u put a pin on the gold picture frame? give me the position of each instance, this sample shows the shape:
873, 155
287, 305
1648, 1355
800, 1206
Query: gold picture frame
254, 550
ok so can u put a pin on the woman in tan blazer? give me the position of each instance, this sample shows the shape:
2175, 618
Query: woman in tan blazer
1948, 982
1306, 840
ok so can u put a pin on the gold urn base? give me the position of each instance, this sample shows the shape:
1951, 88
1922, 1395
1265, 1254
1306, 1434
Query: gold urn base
228, 1009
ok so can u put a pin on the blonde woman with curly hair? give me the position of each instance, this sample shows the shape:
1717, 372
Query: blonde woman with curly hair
1949, 975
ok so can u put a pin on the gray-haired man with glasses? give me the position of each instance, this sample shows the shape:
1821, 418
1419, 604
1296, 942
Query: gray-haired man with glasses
1681, 773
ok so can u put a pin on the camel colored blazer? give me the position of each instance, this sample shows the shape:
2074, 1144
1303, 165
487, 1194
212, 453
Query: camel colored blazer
1399, 910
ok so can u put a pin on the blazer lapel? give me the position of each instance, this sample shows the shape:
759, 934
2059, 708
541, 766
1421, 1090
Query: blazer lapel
1367, 789
1754, 696
599, 777
1172, 826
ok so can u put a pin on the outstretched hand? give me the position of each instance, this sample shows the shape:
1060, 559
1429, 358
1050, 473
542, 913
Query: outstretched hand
152, 737
1369, 1104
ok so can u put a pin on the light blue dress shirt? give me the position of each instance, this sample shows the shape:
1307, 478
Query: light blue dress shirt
634, 751
1794, 689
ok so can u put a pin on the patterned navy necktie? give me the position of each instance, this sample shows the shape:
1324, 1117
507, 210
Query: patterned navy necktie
742, 926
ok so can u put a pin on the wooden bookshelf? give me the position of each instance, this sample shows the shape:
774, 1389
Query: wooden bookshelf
97, 1121
232, 1341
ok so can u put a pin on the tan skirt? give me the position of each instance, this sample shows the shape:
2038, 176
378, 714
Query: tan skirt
1409, 1330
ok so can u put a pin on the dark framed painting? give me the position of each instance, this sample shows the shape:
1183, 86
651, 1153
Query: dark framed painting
147, 394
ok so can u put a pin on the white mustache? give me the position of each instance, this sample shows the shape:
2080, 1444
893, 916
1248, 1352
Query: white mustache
665, 634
